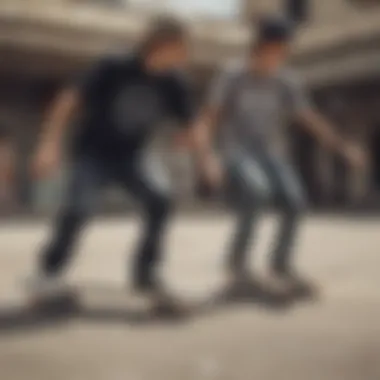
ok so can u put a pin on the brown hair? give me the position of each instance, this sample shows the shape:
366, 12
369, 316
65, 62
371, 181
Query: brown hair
163, 30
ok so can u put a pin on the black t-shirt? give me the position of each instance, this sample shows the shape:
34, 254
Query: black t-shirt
4, 133
123, 104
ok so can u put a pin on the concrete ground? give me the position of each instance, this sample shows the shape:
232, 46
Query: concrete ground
336, 338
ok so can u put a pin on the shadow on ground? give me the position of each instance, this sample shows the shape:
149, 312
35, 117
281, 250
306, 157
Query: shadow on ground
109, 305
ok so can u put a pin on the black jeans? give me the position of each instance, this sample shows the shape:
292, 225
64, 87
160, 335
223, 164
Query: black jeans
88, 177
257, 178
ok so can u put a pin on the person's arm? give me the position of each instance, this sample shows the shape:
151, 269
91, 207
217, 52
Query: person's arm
182, 108
59, 116
323, 130
70, 100
6, 159
48, 154
205, 127
203, 133
199, 131
194, 126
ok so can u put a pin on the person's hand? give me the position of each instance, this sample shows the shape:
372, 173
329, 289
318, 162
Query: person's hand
182, 141
212, 173
8, 172
6, 169
354, 154
46, 160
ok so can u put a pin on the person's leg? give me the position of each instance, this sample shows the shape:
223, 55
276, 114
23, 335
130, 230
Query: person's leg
251, 189
148, 182
292, 203
86, 178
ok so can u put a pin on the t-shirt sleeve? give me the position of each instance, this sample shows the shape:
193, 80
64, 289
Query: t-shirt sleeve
92, 80
182, 103
4, 132
298, 96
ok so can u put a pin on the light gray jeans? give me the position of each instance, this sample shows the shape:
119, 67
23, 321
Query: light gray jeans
257, 178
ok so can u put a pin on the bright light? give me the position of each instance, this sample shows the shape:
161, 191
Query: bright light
211, 8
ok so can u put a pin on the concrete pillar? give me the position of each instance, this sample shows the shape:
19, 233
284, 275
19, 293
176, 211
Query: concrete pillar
331, 12
257, 7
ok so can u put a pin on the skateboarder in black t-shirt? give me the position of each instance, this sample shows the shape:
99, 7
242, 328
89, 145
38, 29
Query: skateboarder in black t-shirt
120, 103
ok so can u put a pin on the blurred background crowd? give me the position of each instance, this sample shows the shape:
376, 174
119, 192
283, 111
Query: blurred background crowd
45, 44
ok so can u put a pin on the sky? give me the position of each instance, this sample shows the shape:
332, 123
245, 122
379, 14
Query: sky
213, 8
216, 8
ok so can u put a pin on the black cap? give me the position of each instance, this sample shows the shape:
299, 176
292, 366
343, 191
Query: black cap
275, 29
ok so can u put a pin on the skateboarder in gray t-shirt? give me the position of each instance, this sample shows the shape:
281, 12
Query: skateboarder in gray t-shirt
251, 103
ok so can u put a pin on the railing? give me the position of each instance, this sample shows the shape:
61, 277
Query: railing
83, 14
72, 14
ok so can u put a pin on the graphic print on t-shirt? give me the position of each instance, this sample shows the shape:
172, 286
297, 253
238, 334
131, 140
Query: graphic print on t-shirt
136, 107
265, 101
257, 109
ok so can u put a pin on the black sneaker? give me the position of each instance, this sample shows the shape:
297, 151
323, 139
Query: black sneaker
241, 277
245, 287
146, 284
241, 284
276, 285
164, 303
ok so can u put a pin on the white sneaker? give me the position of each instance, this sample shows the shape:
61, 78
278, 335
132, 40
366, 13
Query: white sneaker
43, 287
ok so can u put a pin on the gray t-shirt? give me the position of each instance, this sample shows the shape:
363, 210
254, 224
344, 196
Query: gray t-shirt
255, 110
